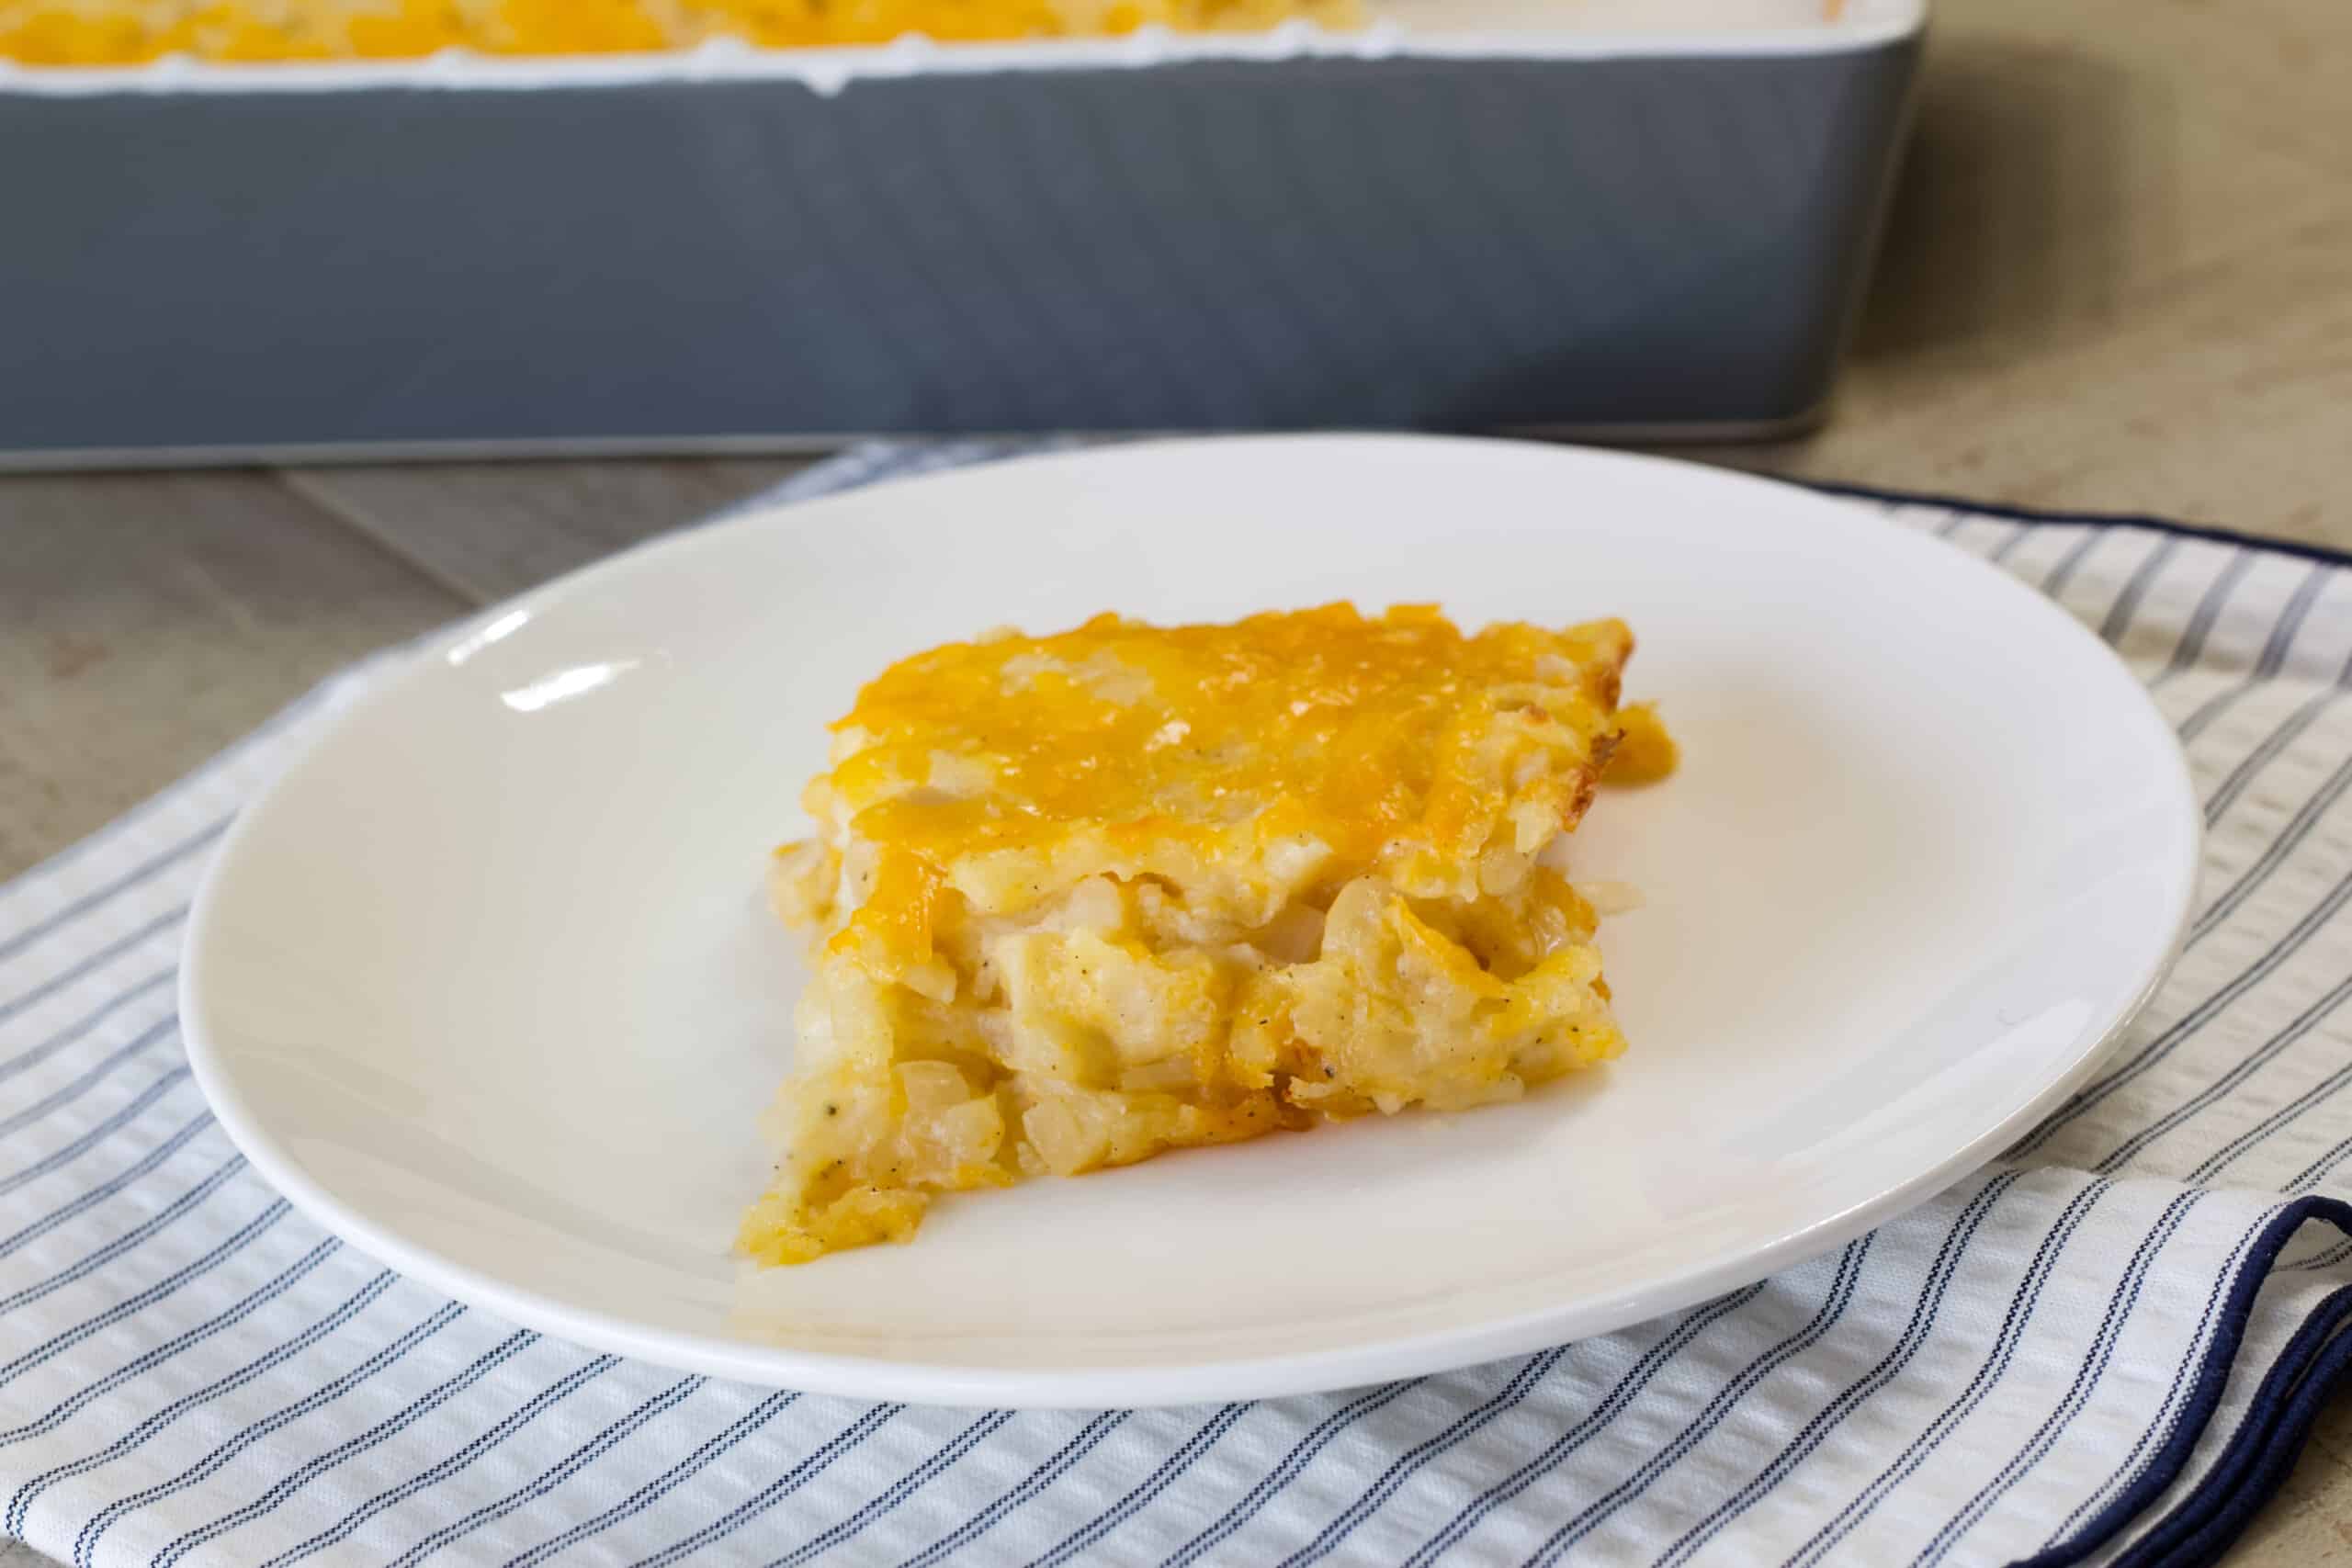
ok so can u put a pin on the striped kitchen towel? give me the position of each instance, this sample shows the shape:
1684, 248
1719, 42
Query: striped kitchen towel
2109, 1347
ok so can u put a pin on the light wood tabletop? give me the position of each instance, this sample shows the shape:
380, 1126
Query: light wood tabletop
2118, 276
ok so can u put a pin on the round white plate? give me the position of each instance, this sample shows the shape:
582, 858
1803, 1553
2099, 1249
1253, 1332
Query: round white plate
485, 983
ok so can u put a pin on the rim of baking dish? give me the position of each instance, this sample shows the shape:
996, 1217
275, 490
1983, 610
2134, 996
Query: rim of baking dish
1856, 26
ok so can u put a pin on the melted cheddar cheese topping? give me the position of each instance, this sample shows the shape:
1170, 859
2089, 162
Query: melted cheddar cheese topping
119, 32
1247, 761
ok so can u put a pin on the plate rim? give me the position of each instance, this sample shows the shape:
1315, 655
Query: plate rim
1101, 1386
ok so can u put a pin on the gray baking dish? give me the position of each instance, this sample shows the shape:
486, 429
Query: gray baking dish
1441, 222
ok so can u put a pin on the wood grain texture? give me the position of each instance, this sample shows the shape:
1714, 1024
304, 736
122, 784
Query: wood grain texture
489, 530
147, 621
2115, 274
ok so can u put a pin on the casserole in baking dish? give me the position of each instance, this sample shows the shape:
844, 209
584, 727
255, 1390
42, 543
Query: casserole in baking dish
1601, 216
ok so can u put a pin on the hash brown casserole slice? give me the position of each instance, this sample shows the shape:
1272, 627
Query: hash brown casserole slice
1077, 900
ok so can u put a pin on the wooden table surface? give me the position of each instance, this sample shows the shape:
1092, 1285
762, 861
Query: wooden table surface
2118, 276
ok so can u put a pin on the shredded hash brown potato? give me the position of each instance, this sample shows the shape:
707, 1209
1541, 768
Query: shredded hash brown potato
1077, 900
122, 32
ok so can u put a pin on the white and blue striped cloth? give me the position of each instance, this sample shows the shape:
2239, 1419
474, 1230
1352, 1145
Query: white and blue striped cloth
2108, 1348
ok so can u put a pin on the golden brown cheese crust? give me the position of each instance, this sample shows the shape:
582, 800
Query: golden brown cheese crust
1076, 899
1249, 762
119, 32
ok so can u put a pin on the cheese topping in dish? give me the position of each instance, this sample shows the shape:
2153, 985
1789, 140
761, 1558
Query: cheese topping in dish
1077, 900
115, 32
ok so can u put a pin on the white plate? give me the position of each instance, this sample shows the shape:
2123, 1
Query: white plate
485, 983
